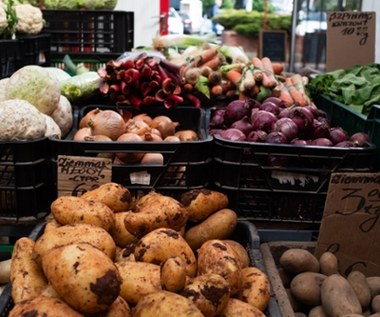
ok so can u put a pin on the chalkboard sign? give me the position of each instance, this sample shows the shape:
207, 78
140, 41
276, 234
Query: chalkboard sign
273, 44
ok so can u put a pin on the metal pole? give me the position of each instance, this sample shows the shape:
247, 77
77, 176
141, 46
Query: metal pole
293, 37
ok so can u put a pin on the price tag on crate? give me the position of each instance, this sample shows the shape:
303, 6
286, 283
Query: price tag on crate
77, 175
350, 226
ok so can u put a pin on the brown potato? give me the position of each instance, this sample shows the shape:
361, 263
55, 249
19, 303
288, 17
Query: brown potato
238, 308
115, 196
163, 243
298, 260
74, 233
317, 311
43, 306
255, 288
119, 232
361, 288
138, 279
84, 276
218, 257
328, 263
173, 274
241, 253
27, 278
209, 292
201, 203
164, 304
153, 211
338, 297
70, 209
219, 225
375, 304
306, 287
374, 285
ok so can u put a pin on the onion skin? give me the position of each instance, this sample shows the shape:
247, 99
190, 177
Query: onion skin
286, 126
165, 125
217, 119
152, 159
187, 135
360, 139
82, 133
136, 126
97, 138
270, 107
107, 122
235, 111
233, 135
276, 138
337, 135
89, 115
257, 136
130, 157
321, 142
243, 125
263, 120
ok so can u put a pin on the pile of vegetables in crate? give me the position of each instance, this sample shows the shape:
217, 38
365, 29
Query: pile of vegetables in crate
110, 253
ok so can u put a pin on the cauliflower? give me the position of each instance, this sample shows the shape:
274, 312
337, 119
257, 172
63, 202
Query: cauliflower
63, 115
3, 18
34, 84
30, 19
3, 83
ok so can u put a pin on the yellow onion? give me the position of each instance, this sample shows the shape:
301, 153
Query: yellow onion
187, 135
84, 121
165, 125
107, 122
139, 127
82, 133
130, 157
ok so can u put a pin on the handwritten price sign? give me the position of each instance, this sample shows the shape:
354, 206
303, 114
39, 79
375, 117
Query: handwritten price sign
77, 175
350, 225
350, 39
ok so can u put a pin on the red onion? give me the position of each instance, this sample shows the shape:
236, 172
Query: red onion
244, 125
346, 143
270, 107
320, 129
257, 136
276, 138
321, 142
298, 142
303, 118
232, 134
263, 120
235, 111
360, 139
338, 135
253, 103
277, 101
214, 131
284, 113
287, 126
217, 118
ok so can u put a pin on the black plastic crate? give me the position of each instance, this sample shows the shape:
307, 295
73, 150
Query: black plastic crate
10, 57
89, 31
25, 180
295, 190
35, 49
186, 164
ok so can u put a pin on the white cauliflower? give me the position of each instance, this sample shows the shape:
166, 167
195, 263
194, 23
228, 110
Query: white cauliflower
3, 83
30, 19
3, 18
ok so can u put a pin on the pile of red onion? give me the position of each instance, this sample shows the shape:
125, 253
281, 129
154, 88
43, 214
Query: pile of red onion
272, 122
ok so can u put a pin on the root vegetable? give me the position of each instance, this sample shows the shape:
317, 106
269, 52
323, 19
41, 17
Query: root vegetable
130, 157
187, 135
152, 159
82, 134
165, 125
107, 122
89, 115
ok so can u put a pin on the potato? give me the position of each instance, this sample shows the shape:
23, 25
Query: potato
375, 304
138, 279
317, 311
328, 263
164, 304
240, 251
43, 306
70, 209
209, 292
297, 260
201, 203
173, 274
163, 243
218, 257
74, 233
119, 308
115, 196
26, 276
255, 288
306, 287
219, 225
153, 211
361, 288
374, 285
119, 232
238, 308
338, 297
84, 276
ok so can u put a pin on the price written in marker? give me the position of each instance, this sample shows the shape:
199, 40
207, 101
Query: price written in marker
77, 175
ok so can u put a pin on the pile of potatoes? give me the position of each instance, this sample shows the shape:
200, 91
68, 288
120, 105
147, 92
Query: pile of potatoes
316, 288
109, 253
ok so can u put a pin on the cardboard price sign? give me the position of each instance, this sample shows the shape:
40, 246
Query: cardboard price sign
350, 39
77, 175
350, 226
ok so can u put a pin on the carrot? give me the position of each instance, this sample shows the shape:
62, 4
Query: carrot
278, 68
247, 82
298, 96
234, 76
299, 85
285, 95
206, 55
213, 63
257, 74
269, 81
217, 90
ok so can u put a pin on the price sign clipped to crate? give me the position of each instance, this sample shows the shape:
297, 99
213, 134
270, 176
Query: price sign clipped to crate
77, 175
350, 225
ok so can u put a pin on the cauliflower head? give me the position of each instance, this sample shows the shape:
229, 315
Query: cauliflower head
30, 19
34, 84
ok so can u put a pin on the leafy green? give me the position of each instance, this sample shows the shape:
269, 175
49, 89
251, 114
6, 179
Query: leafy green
357, 87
